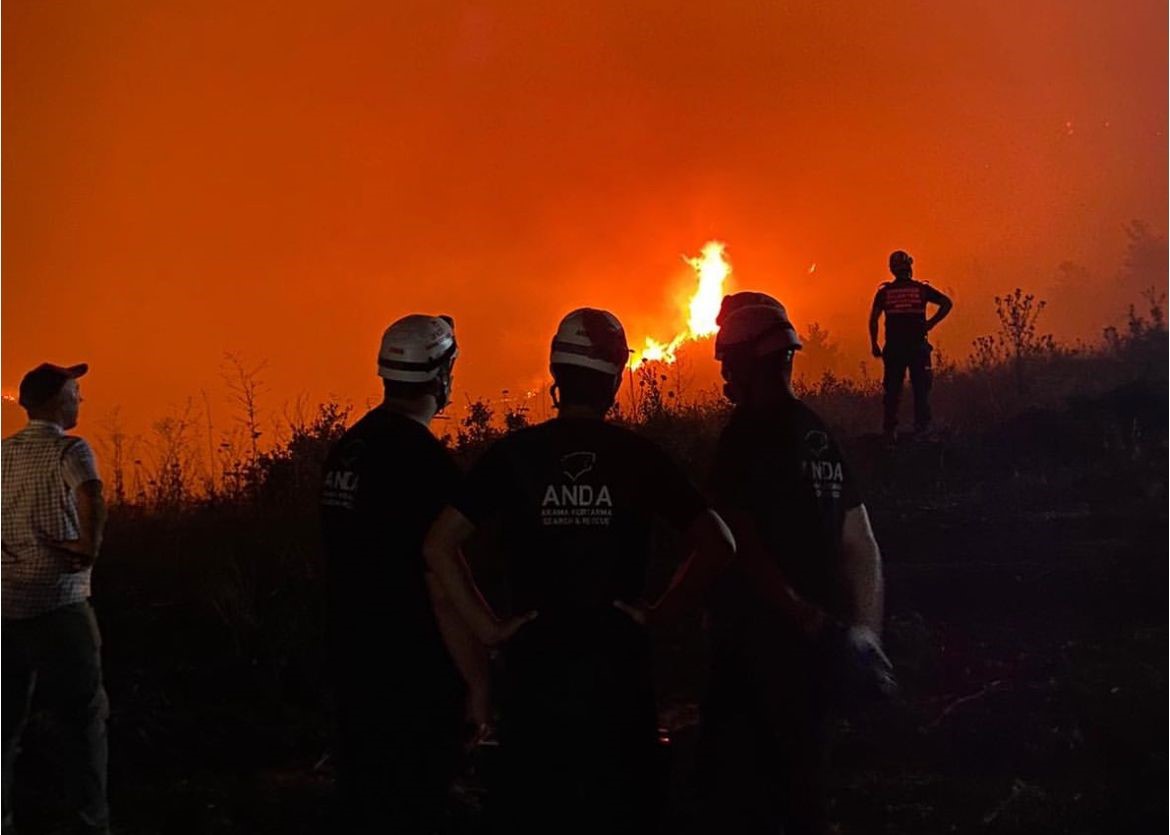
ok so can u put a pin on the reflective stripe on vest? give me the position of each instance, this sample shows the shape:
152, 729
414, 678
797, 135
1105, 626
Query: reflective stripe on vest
902, 301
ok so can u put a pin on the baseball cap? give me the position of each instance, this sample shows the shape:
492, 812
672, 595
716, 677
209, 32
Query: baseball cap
41, 384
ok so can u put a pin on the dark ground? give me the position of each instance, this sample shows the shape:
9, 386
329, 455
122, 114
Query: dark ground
1027, 621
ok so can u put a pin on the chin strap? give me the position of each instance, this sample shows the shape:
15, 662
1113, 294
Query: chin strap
552, 391
443, 395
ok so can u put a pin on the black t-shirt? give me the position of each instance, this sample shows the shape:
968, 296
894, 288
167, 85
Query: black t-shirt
904, 304
782, 468
577, 498
386, 480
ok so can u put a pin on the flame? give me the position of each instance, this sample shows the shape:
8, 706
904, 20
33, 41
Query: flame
712, 271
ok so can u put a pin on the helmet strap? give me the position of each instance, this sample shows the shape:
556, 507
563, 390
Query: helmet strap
442, 392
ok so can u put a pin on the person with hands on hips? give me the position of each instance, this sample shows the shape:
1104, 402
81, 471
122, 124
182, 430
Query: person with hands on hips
576, 497
409, 677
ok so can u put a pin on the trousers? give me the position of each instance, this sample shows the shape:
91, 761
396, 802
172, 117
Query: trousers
898, 359
763, 751
57, 657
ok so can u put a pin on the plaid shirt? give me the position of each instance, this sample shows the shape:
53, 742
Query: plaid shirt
42, 467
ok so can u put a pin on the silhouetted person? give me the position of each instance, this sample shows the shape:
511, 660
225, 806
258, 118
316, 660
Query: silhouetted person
53, 519
398, 662
903, 301
577, 497
794, 623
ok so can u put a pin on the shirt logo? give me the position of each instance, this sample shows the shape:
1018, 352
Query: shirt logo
826, 476
576, 464
817, 442
574, 502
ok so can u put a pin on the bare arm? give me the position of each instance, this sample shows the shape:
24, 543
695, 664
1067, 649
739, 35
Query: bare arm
759, 566
712, 550
875, 312
91, 521
862, 569
449, 570
467, 651
944, 309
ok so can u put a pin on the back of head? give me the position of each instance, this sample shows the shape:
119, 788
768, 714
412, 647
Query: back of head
901, 264
755, 344
587, 356
416, 357
754, 330
745, 298
41, 387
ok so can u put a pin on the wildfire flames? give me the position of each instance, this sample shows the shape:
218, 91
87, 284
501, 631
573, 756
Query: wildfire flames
711, 270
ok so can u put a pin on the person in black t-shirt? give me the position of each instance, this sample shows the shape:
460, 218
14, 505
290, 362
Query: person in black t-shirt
794, 624
405, 673
903, 301
576, 497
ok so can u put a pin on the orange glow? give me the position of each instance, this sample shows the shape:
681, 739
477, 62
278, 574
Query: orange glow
188, 179
711, 270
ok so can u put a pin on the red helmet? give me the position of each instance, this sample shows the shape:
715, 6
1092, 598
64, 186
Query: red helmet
756, 330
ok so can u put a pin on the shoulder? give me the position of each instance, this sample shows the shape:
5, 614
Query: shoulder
76, 446
519, 439
635, 442
78, 461
362, 439
806, 414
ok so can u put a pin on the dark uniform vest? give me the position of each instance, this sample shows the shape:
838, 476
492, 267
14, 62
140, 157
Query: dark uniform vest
904, 303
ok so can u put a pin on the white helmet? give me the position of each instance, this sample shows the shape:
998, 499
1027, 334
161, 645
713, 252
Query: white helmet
591, 338
418, 349
755, 330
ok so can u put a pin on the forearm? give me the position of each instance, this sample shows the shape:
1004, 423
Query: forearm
758, 565
686, 589
873, 329
91, 520
944, 310
864, 579
862, 570
714, 549
467, 651
770, 583
449, 569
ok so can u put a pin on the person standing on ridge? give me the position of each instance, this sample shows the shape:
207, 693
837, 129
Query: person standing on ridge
577, 497
54, 517
398, 662
903, 301
795, 622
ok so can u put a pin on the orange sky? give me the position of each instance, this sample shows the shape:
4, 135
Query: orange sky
284, 179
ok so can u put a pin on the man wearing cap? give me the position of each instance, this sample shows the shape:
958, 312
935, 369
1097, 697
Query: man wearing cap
406, 676
795, 623
53, 519
576, 498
